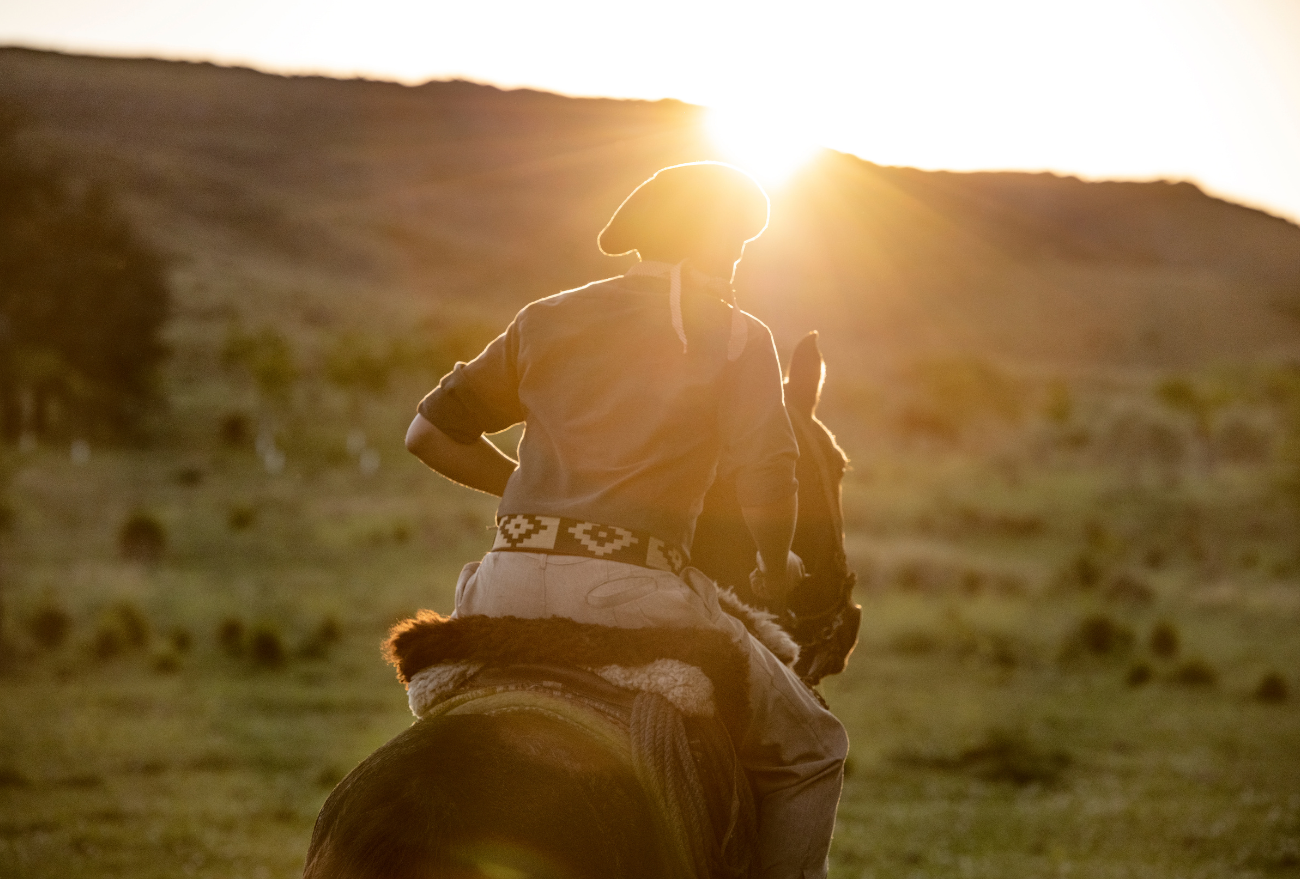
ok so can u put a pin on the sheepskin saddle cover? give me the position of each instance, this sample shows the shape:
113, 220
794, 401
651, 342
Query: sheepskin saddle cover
695, 669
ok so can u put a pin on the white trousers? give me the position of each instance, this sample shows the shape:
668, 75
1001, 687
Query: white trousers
794, 750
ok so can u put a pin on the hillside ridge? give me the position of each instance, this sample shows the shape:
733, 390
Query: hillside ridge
316, 201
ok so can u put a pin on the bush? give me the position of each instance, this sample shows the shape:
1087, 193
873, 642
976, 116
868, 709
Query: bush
131, 622
1272, 688
181, 640
1196, 673
108, 642
230, 635
1097, 635
266, 647
914, 642
236, 431
1006, 756
1164, 641
122, 628
241, 518
1083, 573
1129, 589
329, 630
49, 626
1138, 674
972, 582
142, 538
167, 662
326, 634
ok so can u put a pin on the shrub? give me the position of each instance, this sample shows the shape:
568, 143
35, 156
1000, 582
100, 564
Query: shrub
1010, 585
972, 582
189, 476
49, 626
266, 647
1097, 635
108, 642
1129, 589
329, 630
1138, 674
230, 635
1196, 673
142, 538
1000, 649
1272, 688
131, 622
181, 640
1083, 572
908, 578
122, 628
914, 642
166, 662
1005, 756
236, 431
1243, 442
329, 776
326, 634
241, 518
10, 777
1164, 641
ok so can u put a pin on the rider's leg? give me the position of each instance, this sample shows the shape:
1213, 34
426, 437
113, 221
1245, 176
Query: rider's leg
794, 750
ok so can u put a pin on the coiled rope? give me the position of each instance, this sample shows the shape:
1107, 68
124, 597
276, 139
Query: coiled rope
666, 768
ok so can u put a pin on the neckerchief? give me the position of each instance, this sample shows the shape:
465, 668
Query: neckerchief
739, 328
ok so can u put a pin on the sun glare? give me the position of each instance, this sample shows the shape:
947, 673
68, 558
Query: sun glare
769, 147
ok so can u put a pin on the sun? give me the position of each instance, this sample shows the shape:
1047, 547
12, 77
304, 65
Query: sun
767, 146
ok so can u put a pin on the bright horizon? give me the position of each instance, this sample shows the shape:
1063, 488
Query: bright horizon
1200, 90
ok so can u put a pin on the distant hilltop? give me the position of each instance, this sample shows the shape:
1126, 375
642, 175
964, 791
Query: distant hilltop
314, 200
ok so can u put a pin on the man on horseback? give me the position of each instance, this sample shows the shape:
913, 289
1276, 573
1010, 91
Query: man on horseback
636, 392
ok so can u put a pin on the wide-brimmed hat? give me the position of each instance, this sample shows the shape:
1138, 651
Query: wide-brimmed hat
682, 204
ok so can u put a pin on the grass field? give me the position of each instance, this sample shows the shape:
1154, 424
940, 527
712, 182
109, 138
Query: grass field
1007, 719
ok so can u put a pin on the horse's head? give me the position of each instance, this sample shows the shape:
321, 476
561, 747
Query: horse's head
826, 619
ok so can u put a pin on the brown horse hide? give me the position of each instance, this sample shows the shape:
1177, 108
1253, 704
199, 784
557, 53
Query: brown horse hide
468, 797
823, 617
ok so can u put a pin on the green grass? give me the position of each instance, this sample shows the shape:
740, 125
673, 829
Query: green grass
980, 746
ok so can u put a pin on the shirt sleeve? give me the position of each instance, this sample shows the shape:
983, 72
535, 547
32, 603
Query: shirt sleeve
481, 396
759, 446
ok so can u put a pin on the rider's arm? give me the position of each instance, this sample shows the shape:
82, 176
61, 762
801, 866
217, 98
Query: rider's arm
772, 527
760, 449
478, 464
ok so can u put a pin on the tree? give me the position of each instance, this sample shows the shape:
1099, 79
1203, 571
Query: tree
83, 299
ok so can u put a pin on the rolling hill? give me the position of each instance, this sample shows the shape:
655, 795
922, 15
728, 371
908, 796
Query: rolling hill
318, 203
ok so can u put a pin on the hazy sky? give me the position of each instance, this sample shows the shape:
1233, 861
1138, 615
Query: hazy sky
1207, 90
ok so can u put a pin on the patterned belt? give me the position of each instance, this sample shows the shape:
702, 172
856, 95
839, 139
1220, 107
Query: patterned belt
525, 532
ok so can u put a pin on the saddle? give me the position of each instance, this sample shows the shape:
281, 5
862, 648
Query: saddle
667, 702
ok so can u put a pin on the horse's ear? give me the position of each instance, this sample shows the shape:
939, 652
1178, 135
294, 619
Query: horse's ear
803, 387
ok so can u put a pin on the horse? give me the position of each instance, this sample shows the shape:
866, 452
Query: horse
821, 615
614, 761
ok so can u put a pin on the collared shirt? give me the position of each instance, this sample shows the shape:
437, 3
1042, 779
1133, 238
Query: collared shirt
622, 426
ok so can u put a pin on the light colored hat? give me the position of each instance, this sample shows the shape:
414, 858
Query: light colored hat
682, 204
